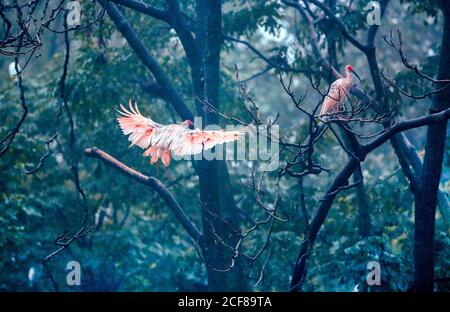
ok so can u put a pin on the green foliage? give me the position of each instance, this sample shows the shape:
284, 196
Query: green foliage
246, 17
138, 244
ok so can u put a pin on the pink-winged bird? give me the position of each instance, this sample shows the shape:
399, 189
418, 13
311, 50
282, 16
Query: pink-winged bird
159, 141
338, 94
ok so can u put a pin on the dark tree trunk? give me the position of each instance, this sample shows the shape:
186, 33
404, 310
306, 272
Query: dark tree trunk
219, 215
316, 223
426, 196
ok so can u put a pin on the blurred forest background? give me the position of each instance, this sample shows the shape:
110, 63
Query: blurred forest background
155, 52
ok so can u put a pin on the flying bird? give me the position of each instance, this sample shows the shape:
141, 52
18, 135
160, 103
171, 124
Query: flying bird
337, 95
159, 141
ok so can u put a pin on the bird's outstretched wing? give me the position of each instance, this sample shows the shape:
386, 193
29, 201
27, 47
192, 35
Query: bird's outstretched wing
140, 128
194, 141
159, 141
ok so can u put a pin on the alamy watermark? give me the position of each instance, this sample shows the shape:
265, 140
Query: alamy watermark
258, 144
73, 277
73, 13
374, 276
374, 16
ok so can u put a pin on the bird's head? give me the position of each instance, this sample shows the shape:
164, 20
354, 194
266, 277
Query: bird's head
187, 123
349, 69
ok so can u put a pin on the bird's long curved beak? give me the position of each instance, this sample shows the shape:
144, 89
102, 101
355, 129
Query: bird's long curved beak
357, 76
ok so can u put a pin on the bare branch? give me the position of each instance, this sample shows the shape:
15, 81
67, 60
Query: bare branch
340, 25
405, 125
143, 7
147, 59
270, 62
151, 182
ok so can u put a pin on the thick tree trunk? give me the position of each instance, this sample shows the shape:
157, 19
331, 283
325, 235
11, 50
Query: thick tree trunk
412, 167
219, 215
426, 195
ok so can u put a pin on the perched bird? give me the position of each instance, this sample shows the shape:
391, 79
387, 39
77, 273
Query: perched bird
337, 95
159, 141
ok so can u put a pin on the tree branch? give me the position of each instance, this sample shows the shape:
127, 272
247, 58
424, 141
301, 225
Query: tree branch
145, 8
341, 182
151, 182
405, 125
266, 59
147, 59
340, 25
313, 37
174, 17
